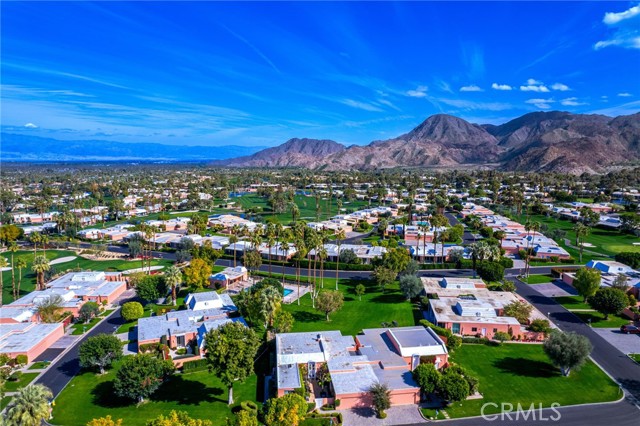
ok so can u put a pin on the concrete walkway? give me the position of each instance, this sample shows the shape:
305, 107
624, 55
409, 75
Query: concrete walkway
399, 415
62, 260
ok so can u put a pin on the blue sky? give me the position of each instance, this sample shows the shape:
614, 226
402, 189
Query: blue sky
210, 73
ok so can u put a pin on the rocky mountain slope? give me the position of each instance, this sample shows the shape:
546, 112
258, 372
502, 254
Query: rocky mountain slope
541, 141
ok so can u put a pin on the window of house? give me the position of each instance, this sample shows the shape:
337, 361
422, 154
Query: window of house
495, 330
474, 328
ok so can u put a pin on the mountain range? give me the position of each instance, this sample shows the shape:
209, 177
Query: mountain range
541, 141
17, 147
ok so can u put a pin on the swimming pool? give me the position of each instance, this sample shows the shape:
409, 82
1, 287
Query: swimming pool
287, 291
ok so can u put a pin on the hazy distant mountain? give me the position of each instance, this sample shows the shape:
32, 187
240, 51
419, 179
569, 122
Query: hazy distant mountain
293, 153
540, 141
32, 148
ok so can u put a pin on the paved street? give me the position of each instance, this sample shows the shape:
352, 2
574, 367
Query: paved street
626, 343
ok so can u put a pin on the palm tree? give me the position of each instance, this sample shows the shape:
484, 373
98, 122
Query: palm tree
380, 398
271, 241
233, 239
29, 407
339, 237
295, 212
3, 264
13, 248
323, 255
48, 309
581, 232
44, 239
20, 264
173, 277
479, 252
40, 265
284, 246
270, 299
35, 238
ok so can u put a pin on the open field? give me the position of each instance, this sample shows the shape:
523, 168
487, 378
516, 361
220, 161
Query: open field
517, 373
605, 241
29, 278
89, 396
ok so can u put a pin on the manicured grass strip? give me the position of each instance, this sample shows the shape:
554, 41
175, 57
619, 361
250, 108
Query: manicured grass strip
82, 328
201, 394
538, 279
376, 307
5, 401
572, 302
517, 373
25, 379
39, 365
597, 319
635, 357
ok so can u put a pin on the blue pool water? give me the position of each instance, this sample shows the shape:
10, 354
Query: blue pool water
287, 291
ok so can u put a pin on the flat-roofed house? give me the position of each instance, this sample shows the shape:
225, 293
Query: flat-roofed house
229, 276
28, 338
381, 355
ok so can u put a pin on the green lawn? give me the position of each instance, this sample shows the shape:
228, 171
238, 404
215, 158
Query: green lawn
201, 394
376, 307
306, 205
516, 373
29, 278
635, 357
606, 241
5, 401
538, 279
572, 302
25, 379
81, 328
39, 365
597, 319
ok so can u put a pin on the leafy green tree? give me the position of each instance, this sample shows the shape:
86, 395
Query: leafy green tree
567, 351
396, 259
540, 326
140, 376
100, 351
519, 310
383, 276
501, 336
197, 274
105, 421
252, 260
282, 321
244, 418
491, 271
349, 257
230, 351
88, 311
411, 286
132, 311
381, 398
151, 287
609, 301
177, 418
288, 410
360, 290
29, 407
453, 387
329, 301
587, 282
427, 377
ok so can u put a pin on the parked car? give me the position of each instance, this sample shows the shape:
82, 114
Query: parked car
629, 329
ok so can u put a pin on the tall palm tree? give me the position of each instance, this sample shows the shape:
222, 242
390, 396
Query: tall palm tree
270, 300
271, 241
295, 212
322, 252
173, 277
340, 235
29, 407
20, 264
13, 248
40, 265
3, 264
35, 238
581, 231
479, 252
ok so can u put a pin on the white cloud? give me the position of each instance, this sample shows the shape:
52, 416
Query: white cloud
361, 105
388, 103
611, 18
626, 29
497, 86
30, 126
572, 102
471, 88
560, 87
419, 92
534, 88
625, 95
532, 82
541, 103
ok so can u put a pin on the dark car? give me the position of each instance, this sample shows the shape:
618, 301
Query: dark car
630, 329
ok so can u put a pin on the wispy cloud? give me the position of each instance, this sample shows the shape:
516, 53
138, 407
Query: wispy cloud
572, 102
30, 126
624, 109
471, 105
541, 103
625, 95
471, 88
444, 86
560, 87
252, 47
361, 105
388, 103
473, 60
626, 29
497, 86
419, 92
